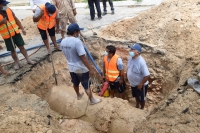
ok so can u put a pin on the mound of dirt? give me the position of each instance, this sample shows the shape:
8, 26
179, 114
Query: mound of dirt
174, 25
30, 28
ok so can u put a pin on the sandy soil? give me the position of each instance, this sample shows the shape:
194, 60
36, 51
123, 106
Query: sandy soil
169, 36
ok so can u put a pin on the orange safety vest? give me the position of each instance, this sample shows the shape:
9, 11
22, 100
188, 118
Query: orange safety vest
46, 21
11, 23
112, 71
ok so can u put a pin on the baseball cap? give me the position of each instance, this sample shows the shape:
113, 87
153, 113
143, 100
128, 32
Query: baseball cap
137, 47
4, 2
50, 8
73, 27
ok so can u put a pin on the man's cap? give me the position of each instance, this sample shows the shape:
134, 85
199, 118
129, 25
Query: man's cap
50, 8
137, 47
4, 2
73, 27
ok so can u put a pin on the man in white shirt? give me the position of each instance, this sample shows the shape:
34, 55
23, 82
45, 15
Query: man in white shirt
78, 65
35, 3
138, 75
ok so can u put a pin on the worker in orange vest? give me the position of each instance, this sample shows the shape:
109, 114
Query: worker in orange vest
113, 71
47, 17
9, 30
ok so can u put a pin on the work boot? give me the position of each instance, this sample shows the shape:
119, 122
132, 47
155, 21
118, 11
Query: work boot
112, 12
104, 13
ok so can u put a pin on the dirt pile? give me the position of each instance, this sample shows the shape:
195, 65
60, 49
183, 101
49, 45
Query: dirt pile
171, 29
173, 26
30, 28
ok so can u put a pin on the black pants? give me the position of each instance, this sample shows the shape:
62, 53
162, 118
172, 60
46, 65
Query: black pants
91, 6
110, 3
43, 33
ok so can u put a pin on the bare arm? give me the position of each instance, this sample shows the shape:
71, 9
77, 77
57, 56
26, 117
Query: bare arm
86, 63
38, 17
144, 80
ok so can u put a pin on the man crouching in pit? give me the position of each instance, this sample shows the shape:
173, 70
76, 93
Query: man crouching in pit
78, 65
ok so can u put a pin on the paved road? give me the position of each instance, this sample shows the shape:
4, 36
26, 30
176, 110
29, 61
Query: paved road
83, 15
83, 18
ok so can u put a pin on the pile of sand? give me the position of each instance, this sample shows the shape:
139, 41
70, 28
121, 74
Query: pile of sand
174, 26
30, 28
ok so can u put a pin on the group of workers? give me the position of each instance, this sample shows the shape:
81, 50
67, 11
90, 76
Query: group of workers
52, 18
80, 70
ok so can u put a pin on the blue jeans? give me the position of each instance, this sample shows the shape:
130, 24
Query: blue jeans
91, 6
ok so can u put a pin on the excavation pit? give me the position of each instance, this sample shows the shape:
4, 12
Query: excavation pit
111, 115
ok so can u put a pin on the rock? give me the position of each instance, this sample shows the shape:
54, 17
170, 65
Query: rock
96, 46
185, 110
154, 82
49, 131
177, 17
199, 75
34, 128
158, 89
159, 51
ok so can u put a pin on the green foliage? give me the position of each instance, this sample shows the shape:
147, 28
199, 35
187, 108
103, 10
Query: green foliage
139, 0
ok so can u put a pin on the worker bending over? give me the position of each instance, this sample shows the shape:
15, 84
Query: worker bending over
47, 17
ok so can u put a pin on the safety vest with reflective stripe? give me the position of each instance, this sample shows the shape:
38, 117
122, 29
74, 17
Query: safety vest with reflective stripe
46, 21
11, 23
112, 71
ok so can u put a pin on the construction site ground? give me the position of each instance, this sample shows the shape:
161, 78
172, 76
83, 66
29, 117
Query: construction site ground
168, 33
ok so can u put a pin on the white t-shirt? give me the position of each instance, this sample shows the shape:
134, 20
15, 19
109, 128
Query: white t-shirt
38, 11
73, 48
37, 2
137, 70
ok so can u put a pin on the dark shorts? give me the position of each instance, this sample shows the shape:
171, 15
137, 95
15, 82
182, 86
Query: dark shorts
43, 33
140, 94
17, 39
120, 87
83, 78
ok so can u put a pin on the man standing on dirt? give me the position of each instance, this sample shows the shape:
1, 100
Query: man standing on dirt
138, 75
67, 12
92, 11
111, 6
47, 17
35, 3
8, 20
113, 71
78, 65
